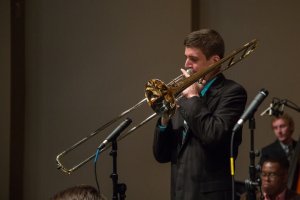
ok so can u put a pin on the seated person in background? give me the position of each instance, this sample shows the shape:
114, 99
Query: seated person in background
284, 146
283, 127
274, 177
80, 192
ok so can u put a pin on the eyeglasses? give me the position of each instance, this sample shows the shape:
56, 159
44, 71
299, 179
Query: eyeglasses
271, 175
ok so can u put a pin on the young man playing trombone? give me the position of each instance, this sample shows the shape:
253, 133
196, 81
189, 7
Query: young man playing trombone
196, 139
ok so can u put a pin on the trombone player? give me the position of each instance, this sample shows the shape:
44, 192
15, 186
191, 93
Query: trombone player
196, 139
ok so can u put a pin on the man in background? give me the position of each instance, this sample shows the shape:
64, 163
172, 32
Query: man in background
274, 178
283, 127
79, 192
284, 145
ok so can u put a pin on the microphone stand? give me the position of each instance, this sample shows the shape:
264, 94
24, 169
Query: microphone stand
119, 189
252, 183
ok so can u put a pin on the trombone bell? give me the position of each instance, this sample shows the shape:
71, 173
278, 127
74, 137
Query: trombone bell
160, 98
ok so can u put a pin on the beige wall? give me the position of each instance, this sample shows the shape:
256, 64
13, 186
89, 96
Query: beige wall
4, 96
274, 64
87, 61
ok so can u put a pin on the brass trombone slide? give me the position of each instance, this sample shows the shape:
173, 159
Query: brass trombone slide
162, 99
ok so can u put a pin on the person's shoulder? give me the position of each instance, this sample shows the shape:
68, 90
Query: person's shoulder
233, 88
295, 142
296, 197
229, 88
292, 195
228, 83
234, 83
270, 146
273, 150
244, 195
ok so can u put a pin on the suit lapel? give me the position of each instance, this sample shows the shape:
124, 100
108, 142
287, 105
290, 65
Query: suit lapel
280, 149
208, 97
215, 89
179, 125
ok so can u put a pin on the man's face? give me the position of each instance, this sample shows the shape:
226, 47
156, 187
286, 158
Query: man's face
196, 60
282, 130
273, 178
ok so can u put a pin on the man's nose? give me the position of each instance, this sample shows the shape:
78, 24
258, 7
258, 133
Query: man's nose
277, 130
188, 63
266, 179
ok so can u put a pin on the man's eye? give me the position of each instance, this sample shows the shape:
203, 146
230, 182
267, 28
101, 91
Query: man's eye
194, 59
271, 174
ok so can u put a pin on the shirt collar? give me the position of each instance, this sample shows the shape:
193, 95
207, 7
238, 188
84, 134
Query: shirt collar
280, 196
286, 146
207, 86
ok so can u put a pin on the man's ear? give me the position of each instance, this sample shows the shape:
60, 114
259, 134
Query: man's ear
215, 58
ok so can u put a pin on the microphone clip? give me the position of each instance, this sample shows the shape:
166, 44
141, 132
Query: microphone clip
276, 108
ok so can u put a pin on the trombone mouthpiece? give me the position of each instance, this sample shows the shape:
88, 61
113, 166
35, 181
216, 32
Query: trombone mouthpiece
189, 71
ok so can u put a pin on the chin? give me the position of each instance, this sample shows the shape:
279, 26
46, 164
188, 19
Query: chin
283, 140
266, 189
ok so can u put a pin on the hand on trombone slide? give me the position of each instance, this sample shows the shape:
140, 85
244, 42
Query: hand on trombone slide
195, 88
191, 91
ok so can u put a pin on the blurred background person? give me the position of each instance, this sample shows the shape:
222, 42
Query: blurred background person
80, 192
283, 127
284, 145
274, 178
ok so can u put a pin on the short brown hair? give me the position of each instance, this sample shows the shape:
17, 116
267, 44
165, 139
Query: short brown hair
80, 192
208, 41
287, 118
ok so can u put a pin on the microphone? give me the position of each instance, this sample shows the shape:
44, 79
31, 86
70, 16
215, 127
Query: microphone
275, 108
251, 109
115, 133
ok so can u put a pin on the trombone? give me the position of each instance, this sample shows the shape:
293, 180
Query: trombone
161, 98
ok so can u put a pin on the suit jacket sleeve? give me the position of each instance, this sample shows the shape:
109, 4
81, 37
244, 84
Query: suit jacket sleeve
213, 124
163, 142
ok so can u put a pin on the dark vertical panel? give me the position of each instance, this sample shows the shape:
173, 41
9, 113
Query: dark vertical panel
195, 15
17, 99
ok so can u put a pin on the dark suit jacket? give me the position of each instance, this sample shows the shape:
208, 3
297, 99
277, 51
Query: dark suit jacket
274, 149
290, 195
294, 168
201, 163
